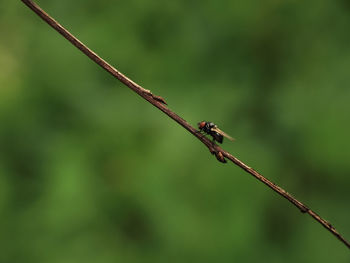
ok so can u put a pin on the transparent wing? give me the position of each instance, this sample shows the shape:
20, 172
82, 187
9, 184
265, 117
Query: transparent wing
216, 129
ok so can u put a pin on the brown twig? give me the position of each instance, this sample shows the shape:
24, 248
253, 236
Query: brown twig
159, 102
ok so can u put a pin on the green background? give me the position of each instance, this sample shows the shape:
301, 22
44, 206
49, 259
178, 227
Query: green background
89, 172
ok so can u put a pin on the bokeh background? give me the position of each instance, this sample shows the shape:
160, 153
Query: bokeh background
89, 172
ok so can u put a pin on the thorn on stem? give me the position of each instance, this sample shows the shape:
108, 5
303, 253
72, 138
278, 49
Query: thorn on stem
304, 209
220, 157
155, 97
159, 98
218, 154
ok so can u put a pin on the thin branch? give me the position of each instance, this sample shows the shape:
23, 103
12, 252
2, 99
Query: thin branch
159, 102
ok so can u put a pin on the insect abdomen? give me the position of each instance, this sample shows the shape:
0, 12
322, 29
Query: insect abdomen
217, 137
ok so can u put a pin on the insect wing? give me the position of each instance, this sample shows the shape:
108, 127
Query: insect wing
216, 129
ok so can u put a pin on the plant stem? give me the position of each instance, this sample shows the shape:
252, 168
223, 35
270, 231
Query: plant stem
159, 102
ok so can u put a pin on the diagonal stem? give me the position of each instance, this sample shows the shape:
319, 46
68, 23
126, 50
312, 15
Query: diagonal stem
159, 102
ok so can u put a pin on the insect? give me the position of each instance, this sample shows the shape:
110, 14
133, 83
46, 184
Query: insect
213, 130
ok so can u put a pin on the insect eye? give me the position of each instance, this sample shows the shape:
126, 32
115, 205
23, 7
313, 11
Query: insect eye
201, 125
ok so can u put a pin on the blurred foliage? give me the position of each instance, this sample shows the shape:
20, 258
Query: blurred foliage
91, 173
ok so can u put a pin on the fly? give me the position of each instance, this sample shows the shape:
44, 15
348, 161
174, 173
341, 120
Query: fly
213, 130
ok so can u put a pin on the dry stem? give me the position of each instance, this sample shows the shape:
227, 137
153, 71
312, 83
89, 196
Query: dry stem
159, 102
